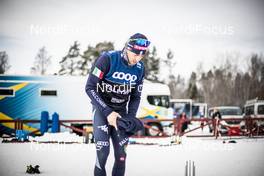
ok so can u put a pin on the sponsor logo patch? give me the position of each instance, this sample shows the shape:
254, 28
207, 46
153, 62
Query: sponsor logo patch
121, 143
122, 158
101, 144
116, 100
140, 47
104, 128
124, 76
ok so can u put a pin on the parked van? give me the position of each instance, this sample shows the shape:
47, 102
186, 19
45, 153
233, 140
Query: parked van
191, 108
255, 109
226, 112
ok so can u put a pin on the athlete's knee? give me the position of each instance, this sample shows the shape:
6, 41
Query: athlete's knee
121, 159
120, 155
102, 155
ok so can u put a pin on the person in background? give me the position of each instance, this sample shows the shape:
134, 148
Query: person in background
216, 117
183, 120
202, 120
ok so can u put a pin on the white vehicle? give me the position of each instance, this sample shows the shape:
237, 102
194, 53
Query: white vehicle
255, 109
155, 104
25, 97
226, 112
191, 108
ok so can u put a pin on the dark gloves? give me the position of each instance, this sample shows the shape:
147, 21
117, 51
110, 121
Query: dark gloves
129, 125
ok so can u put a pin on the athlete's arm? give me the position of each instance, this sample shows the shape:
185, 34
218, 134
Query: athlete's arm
98, 71
135, 98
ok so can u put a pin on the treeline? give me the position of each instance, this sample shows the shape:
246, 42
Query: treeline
226, 86
223, 84
79, 63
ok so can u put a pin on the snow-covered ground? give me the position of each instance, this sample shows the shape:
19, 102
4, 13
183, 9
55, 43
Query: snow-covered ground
58, 137
212, 157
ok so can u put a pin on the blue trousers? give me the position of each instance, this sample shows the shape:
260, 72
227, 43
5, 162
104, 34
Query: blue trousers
102, 134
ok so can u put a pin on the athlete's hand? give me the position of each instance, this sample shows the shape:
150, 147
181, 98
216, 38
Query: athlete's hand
111, 118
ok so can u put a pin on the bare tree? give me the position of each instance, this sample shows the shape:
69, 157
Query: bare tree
169, 62
256, 71
227, 85
4, 65
42, 62
175, 83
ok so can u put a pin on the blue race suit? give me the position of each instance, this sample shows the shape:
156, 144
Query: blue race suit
113, 85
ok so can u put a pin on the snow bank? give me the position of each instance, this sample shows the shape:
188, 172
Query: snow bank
64, 137
211, 157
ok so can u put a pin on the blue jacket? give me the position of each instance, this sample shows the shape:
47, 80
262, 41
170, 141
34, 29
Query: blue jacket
113, 85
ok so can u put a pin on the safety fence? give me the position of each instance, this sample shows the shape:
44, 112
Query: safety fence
246, 126
228, 127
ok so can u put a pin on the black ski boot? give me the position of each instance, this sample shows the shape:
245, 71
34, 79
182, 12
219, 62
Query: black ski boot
36, 169
30, 169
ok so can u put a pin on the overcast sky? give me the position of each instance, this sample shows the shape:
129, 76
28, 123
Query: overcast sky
196, 31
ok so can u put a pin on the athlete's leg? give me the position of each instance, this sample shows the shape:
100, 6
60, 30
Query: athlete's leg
101, 137
119, 143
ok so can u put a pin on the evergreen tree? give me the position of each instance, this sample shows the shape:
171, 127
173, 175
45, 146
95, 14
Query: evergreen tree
152, 65
69, 63
192, 91
91, 54
75, 63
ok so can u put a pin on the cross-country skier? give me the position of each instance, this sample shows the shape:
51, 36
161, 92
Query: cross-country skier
114, 86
